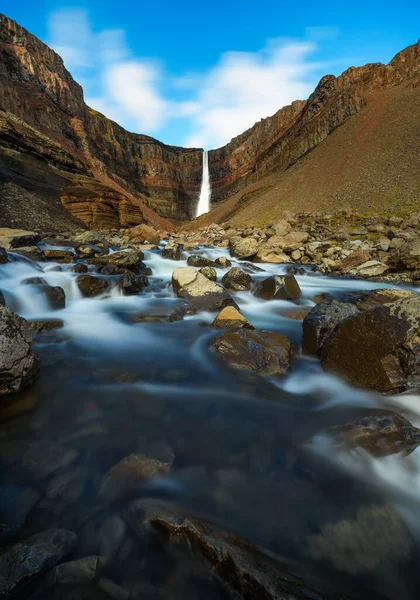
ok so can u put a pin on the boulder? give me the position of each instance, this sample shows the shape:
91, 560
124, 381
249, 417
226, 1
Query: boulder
145, 233
370, 268
293, 239
173, 252
243, 247
56, 296
222, 262
267, 255
90, 237
278, 287
209, 272
132, 284
231, 318
410, 254
281, 227
263, 352
237, 280
16, 238
199, 291
378, 348
356, 258
380, 433
18, 363
91, 286
321, 321
199, 260
24, 561
369, 298
80, 268
59, 255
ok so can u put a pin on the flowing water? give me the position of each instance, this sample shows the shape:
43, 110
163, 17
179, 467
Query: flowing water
247, 454
205, 191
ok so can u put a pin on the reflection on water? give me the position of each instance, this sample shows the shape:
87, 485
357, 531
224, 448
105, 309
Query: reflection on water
247, 454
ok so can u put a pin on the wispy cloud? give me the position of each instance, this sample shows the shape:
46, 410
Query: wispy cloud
242, 88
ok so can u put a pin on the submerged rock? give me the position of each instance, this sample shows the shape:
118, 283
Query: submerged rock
321, 321
278, 287
20, 563
263, 352
237, 280
231, 318
199, 291
378, 348
91, 286
18, 363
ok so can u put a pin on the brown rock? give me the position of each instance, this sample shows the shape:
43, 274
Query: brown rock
91, 286
278, 287
356, 258
199, 291
145, 233
231, 318
243, 247
209, 272
320, 322
237, 280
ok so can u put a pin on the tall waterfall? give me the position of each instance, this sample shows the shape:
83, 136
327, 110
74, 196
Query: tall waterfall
205, 191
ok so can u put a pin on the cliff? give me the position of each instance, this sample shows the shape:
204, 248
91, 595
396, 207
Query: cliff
76, 160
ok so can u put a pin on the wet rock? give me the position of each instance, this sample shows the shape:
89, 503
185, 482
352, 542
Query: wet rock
46, 325
42, 459
34, 281
173, 252
291, 270
278, 287
209, 273
111, 535
91, 286
16, 238
231, 318
145, 233
263, 352
67, 488
22, 562
320, 322
80, 268
237, 280
296, 314
168, 317
124, 477
199, 291
222, 262
59, 255
133, 284
370, 298
199, 260
2, 299
56, 297
379, 433
16, 502
3, 256
132, 260
18, 363
378, 348
31, 252
187, 309
243, 247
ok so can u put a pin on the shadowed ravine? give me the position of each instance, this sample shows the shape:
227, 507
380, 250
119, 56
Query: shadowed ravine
135, 423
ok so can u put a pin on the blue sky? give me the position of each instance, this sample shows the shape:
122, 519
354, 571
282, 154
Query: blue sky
195, 72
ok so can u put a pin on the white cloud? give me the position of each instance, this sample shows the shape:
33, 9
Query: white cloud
242, 88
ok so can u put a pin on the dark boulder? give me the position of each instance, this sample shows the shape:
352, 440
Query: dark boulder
320, 322
3, 256
132, 260
80, 268
222, 262
237, 280
199, 260
369, 298
263, 352
278, 287
91, 286
173, 252
209, 272
133, 284
56, 297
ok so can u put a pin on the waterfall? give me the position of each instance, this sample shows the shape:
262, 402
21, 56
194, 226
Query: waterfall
205, 191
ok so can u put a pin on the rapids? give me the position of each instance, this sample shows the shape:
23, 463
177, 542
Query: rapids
249, 454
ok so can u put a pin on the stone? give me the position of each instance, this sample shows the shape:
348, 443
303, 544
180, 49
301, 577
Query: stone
293, 239
370, 268
265, 255
380, 433
173, 252
16, 502
59, 254
19, 365
281, 227
321, 321
296, 314
378, 348
16, 238
80, 268
145, 233
222, 262
132, 260
199, 260
263, 352
132, 284
22, 562
243, 247
67, 488
278, 287
237, 280
370, 298
56, 297
354, 259
296, 255
209, 272
111, 535
199, 291
90, 237
46, 325
91, 286
34, 281
231, 318
410, 254
3, 256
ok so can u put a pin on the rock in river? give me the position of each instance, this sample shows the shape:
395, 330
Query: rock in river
237, 280
263, 352
243, 247
91, 286
278, 287
320, 322
231, 318
18, 364
199, 291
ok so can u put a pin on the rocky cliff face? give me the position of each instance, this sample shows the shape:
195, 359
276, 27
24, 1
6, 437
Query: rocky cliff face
56, 147
276, 143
